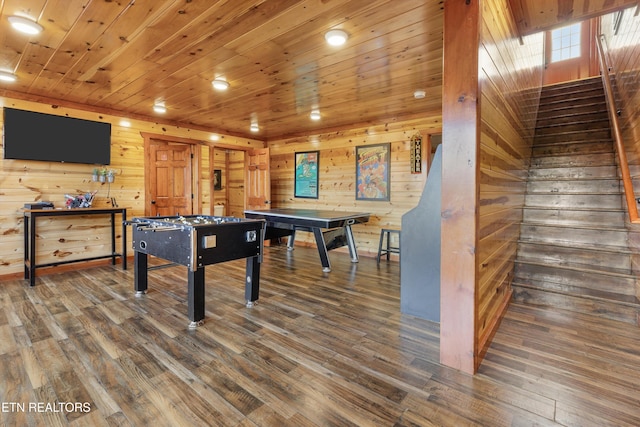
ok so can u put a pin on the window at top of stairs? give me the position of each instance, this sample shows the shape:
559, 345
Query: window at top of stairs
565, 43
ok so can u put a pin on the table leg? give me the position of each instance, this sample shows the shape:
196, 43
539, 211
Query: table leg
140, 261
252, 281
124, 239
113, 238
351, 243
388, 245
25, 234
322, 250
32, 249
291, 239
195, 296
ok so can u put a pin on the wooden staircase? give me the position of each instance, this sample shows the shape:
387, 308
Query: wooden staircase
573, 252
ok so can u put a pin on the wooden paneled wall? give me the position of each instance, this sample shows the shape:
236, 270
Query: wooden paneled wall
623, 50
235, 174
29, 181
337, 171
230, 162
510, 79
488, 127
219, 162
460, 184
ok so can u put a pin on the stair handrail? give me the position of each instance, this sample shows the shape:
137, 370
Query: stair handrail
617, 135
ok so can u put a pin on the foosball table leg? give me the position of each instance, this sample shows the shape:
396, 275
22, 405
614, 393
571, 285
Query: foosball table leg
252, 281
140, 261
195, 297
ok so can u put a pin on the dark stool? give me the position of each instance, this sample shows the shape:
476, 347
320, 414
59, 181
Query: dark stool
388, 249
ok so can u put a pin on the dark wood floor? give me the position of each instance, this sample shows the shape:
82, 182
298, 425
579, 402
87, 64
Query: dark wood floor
320, 349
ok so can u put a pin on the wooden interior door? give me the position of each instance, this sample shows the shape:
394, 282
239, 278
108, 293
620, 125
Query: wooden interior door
170, 191
257, 179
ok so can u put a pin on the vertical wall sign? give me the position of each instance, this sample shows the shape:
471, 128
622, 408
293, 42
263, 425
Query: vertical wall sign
416, 153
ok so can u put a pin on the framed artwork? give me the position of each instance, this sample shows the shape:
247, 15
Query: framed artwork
306, 175
217, 179
372, 172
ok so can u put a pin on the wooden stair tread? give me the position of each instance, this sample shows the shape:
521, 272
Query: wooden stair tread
579, 82
562, 89
539, 144
573, 227
574, 193
551, 102
546, 178
578, 132
573, 245
539, 177
615, 280
570, 119
579, 209
551, 150
570, 115
626, 300
580, 246
597, 106
551, 156
571, 86
557, 102
589, 139
562, 129
583, 137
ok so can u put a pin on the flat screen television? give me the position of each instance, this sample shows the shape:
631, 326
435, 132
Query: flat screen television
37, 136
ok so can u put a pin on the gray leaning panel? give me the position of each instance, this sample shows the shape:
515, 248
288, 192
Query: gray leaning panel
420, 250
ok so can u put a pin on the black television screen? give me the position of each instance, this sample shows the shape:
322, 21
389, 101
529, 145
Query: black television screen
37, 136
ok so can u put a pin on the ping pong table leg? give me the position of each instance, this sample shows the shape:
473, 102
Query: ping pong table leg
322, 250
351, 243
291, 239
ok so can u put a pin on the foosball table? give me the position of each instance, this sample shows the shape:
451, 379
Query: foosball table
196, 241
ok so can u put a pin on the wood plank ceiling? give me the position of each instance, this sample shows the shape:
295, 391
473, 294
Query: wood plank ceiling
533, 16
122, 56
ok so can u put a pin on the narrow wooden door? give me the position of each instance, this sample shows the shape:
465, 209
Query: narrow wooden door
169, 171
257, 179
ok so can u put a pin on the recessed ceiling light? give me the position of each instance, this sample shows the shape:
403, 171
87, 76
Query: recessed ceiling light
254, 127
315, 115
336, 37
419, 94
220, 84
159, 108
25, 25
8, 77
214, 137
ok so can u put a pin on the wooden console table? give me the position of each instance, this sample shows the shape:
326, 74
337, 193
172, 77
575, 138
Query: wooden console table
30, 216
